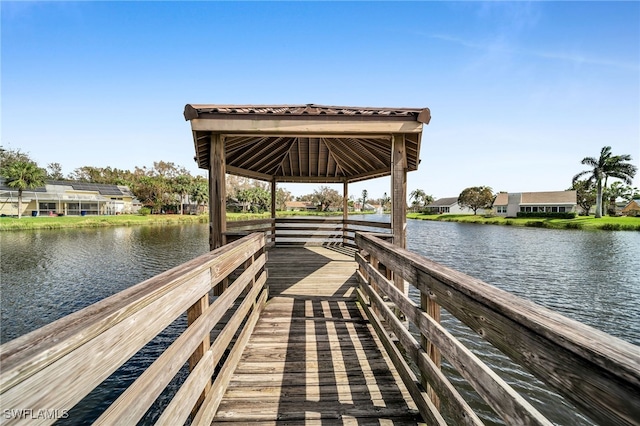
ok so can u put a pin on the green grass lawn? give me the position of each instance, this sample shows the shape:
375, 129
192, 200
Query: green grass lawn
59, 222
46, 222
580, 222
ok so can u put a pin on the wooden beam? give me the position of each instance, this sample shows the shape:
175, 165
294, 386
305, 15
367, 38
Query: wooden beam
248, 173
217, 192
310, 179
345, 210
398, 190
305, 127
273, 209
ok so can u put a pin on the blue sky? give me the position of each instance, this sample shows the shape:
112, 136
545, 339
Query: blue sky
519, 92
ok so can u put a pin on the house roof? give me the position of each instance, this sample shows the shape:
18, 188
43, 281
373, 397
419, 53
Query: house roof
632, 205
56, 185
502, 199
552, 197
306, 143
444, 202
537, 198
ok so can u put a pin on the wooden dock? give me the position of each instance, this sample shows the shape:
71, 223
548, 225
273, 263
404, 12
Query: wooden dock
313, 355
301, 335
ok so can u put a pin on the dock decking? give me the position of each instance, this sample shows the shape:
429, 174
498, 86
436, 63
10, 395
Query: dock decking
306, 346
313, 356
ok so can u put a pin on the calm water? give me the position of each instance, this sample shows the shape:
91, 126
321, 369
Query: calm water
593, 277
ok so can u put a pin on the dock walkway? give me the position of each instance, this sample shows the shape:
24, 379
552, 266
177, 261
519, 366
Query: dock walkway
313, 357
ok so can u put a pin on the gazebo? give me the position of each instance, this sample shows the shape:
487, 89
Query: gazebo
306, 144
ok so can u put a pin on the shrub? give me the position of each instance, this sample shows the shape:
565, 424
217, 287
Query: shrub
611, 227
144, 211
548, 215
572, 225
535, 224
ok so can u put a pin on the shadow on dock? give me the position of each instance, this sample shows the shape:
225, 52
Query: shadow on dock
313, 356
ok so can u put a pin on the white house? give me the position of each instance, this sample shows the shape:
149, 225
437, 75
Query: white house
448, 205
509, 204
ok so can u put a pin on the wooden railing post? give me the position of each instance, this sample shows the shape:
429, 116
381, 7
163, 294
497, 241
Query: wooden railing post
433, 310
193, 313
345, 210
273, 210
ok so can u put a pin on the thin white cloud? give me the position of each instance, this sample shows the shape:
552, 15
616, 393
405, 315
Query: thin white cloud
576, 58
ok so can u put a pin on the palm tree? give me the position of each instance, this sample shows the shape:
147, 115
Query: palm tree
23, 175
607, 165
417, 197
182, 186
420, 199
200, 192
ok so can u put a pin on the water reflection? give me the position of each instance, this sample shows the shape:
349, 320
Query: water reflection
592, 277
48, 274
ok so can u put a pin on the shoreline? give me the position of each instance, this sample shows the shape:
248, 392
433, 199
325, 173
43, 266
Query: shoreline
585, 223
26, 223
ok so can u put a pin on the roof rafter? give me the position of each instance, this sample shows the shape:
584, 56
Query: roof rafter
306, 142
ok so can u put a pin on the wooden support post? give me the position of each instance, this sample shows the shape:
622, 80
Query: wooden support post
399, 198
273, 209
217, 192
345, 210
433, 310
192, 315
217, 200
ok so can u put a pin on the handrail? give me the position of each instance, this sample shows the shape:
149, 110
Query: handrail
322, 231
599, 373
55, 366
305, 230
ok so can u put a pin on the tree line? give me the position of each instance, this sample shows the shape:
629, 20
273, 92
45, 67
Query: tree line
164, 187
167, 186
591, 186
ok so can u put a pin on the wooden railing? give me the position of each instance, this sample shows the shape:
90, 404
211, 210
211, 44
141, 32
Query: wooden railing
56, 366
306, 230
597, 372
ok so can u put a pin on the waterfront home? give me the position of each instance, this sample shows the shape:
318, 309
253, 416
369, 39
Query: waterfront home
448, 205
632, 208
68, 198
509, 204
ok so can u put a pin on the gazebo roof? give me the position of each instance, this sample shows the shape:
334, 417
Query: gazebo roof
306, 143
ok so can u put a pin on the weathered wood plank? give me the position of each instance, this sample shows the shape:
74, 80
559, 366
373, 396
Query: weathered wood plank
217, 192
313, 346
176, 412
368, 223
407, 420
498, 394
135, 401
28, 354
597, 372
66, 381
425, 406
461, 412
210, 406
235, 224
320, 410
